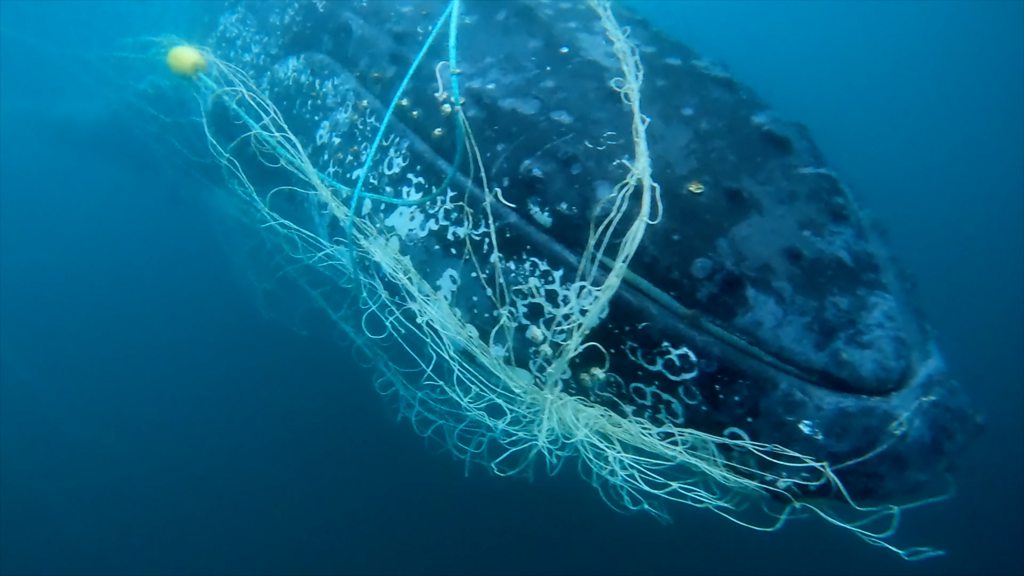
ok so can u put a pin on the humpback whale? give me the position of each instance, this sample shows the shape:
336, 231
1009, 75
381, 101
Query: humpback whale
559, 233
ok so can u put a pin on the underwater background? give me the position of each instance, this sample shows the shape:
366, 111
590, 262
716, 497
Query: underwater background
153, 421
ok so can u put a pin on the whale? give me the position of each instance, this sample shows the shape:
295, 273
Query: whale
762, 301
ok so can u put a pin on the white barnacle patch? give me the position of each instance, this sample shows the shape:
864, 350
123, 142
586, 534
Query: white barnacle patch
657, 405
411, 221
323, 133
541, 298
675, 363
345, 110
397, 159
406, 220
448, 284
808, 427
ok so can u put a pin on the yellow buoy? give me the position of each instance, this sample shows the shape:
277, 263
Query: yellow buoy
185, 60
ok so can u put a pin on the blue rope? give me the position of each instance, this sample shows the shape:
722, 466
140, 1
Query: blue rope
453, 71
453, 26
451, 11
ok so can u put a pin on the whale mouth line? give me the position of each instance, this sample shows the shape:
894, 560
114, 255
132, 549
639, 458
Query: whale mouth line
701, 324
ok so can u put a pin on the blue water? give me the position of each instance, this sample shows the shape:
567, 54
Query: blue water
153, 422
